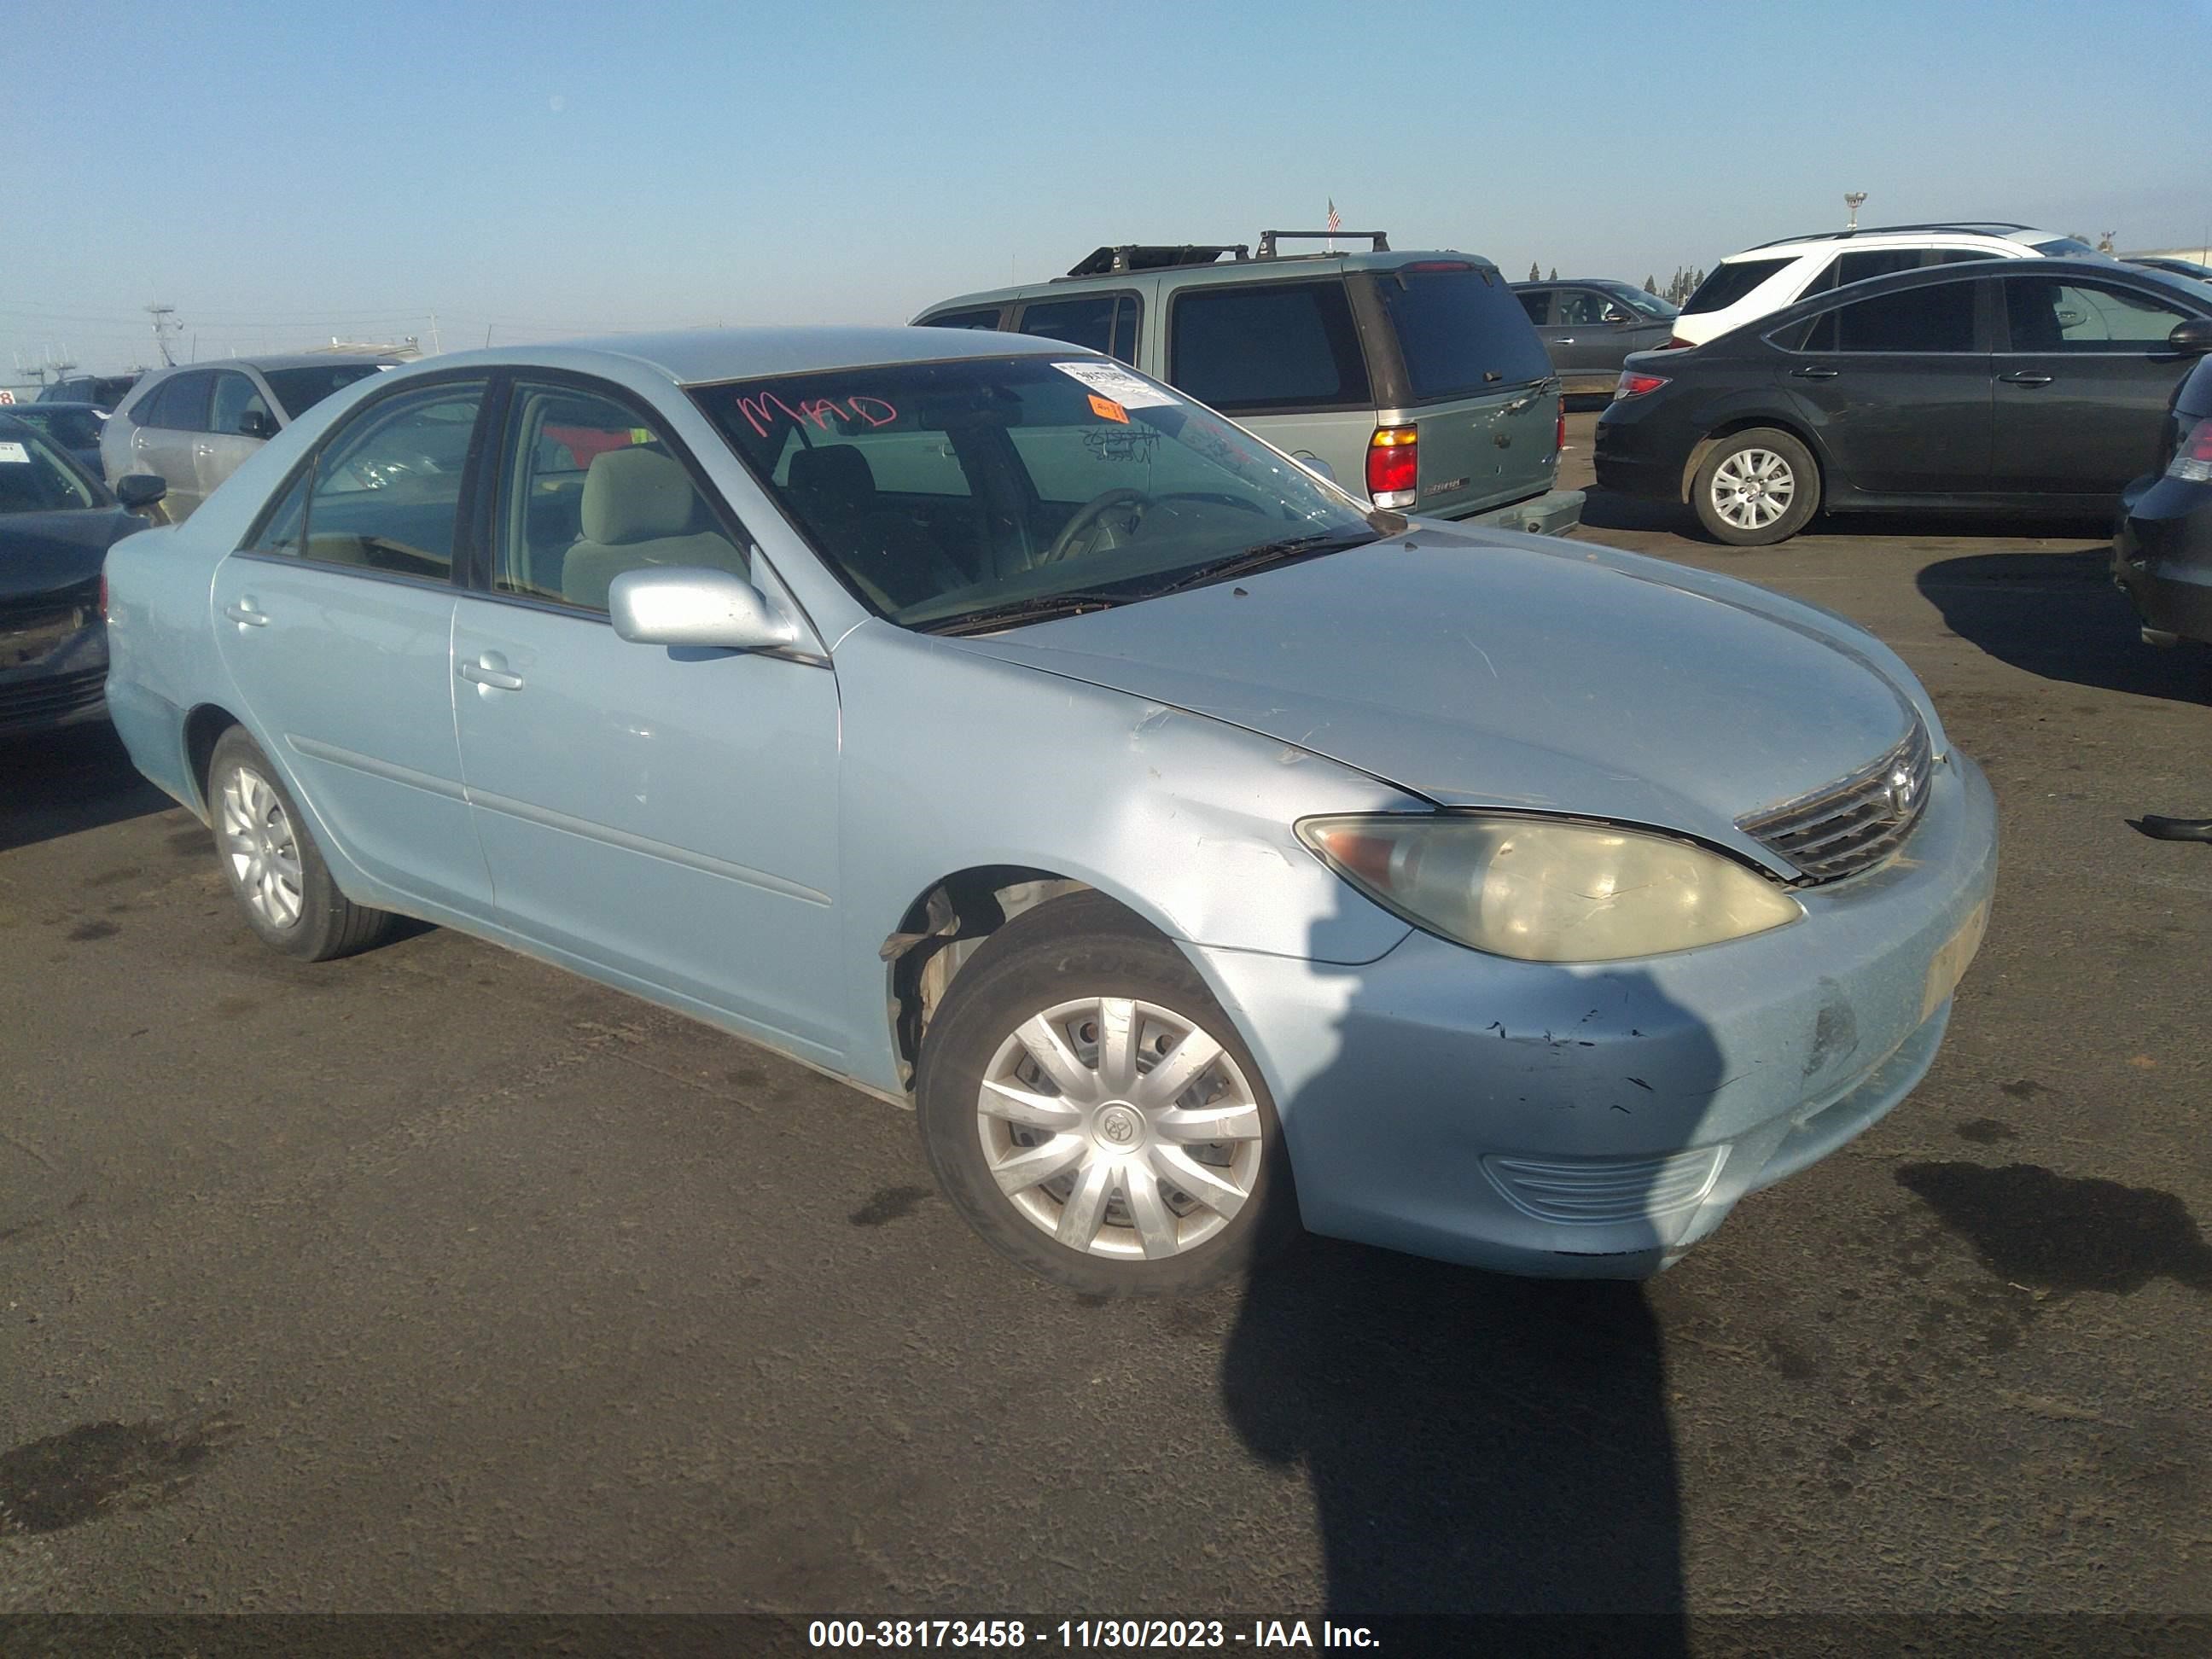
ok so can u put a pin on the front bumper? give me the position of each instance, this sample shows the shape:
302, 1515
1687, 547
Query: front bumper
2162, 557
62, 687
1596, 1121
1553, 513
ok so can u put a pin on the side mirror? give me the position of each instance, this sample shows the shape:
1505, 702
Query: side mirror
139, 490
1318, 467
682, 604
2192, 338
257, 423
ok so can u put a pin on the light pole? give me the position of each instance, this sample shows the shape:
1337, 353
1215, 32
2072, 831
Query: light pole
1852, 200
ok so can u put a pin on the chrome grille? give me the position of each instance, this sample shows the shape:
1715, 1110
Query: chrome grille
1853, 825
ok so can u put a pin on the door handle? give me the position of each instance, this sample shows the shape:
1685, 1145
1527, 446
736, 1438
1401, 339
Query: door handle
1815, 373
1564, 339
244, 612
490, 669
2025, 377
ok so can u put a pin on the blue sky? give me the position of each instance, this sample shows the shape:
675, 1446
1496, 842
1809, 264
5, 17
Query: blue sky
279, 171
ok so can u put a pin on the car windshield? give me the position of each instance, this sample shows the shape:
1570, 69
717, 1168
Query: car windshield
77, 429
300, 389
35, 478
1649, 304
954, 494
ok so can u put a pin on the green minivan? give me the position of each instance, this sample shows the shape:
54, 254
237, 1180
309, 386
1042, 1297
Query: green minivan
1415, 378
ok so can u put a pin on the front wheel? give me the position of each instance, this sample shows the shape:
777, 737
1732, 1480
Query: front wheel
1756, 488
1090, 1111
276, 872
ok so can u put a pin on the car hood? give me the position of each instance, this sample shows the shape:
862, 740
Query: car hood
1517, 671
52, 552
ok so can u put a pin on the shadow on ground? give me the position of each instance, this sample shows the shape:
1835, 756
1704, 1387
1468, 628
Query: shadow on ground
60, 784
2058, 615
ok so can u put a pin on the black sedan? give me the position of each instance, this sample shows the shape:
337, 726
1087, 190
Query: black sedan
2014, 384
57, 523
2162, 556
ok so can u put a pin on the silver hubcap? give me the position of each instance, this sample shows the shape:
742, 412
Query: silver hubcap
1119, 1127
1752, 488
260, 848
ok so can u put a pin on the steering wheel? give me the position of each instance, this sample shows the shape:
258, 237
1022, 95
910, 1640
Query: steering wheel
1078, 528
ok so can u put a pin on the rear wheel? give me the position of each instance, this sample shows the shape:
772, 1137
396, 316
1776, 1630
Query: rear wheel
1091, 1112
276, 872
1756, 488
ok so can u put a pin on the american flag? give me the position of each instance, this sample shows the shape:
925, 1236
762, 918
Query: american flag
1336, 224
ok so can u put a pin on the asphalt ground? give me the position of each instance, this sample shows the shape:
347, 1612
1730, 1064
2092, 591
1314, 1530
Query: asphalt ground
435, 1280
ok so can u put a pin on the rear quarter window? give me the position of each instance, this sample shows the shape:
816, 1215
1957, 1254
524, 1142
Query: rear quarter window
1272, 346
1730, 282
1460, 330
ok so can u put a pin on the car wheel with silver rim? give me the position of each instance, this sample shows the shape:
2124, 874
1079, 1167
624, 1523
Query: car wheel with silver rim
1089, 1110
274, 870
1755, 487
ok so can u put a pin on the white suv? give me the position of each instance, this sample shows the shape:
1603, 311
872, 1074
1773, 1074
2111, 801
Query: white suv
1748, 285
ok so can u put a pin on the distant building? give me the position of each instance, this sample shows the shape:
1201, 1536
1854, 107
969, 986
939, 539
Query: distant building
2202, 256
410, 347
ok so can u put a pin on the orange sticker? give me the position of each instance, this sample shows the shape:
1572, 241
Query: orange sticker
1107, 410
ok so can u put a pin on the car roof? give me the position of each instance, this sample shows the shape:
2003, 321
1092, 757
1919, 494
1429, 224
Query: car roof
1986, 230
54, 405
1280, 267
1580, 282
704, 357
284, 360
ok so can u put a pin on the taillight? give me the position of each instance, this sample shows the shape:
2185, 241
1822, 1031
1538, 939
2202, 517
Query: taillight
1559, 430
2192, 460
1676, 342
1393, 465
1632, 384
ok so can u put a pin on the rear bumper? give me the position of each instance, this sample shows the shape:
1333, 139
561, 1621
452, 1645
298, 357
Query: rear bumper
2162, 557
1551, 514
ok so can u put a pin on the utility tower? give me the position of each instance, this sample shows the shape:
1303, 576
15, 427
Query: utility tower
1854, 199
165, 322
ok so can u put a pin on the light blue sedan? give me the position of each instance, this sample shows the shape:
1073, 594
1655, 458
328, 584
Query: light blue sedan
994, 729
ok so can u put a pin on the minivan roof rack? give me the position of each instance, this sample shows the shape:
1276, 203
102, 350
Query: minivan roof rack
1982, 227
1269, 238
1149, 255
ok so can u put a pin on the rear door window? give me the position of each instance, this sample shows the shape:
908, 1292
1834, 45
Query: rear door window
1729, 283
1939, 317
1460, 332
180, 405
1272, 346
1101, 322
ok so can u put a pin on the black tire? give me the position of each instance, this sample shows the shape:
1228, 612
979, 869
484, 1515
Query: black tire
1802, 479
1079, 945
328, 923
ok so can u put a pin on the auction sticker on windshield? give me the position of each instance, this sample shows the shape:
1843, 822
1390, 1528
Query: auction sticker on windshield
15, 452
1118, 384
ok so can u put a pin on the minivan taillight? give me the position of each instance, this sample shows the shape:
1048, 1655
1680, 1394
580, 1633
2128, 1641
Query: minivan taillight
1393, 465
1676, 342
2192, 460
1559, 430
1632, 384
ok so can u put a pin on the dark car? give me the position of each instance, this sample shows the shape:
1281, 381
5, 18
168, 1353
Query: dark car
2162, 555
1589, 326
57, 523
74, 427
104, 392
2037, 386
2175, 267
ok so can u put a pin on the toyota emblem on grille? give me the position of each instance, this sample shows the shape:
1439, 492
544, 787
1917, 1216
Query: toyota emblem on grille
1901, 789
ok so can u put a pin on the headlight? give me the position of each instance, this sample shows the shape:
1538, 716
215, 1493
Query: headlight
1544, 890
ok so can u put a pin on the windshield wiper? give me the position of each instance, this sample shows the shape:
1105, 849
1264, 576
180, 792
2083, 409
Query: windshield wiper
1030, 609
1267, 553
